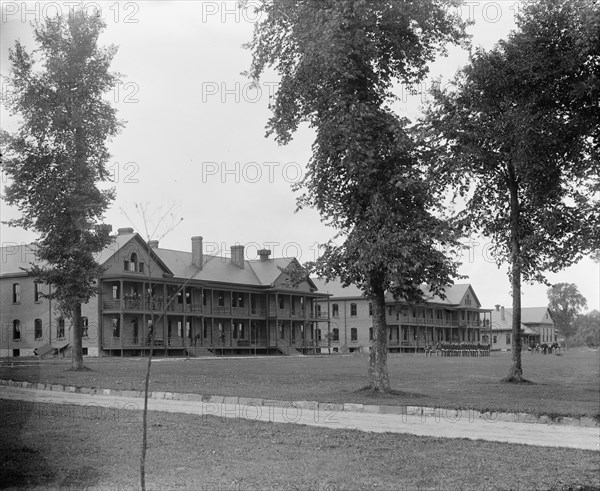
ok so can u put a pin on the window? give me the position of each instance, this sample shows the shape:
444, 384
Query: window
115, 292
281, 302
318, 334
336, 334
36, 292
132, 264
397, 315
352, 310
60, 328
353, 334
16, 330
234, 331
204, 298
84, 327
508, 339
37, 328
16, 293
205, 329
281, 331
389, 310
495, 339
237, 299
116, 327
221, 298
370, 308
467, 300
335, 311
370, 334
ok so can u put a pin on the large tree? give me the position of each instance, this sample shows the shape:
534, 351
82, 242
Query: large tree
338, 62
565, 302
517, 135
58, 156
587, 329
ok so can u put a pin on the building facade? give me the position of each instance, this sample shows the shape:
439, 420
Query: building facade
458, 318
190, 302
537, 327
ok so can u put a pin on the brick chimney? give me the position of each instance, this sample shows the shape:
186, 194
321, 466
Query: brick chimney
237, 255
502, 312
197, 258
497, 307
125, 231
153, 244
264, 254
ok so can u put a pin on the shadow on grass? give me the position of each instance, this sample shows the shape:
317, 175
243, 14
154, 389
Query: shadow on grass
517, 381
391, 394
82, 369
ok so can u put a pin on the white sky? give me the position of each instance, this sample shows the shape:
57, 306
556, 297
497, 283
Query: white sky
195, 134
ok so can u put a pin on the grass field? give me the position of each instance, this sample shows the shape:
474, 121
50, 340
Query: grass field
566, 385
68, 447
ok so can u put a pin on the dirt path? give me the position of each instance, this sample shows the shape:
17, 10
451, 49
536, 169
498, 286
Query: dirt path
499, 431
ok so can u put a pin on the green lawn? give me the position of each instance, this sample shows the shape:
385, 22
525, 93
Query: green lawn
565, 385
70, 447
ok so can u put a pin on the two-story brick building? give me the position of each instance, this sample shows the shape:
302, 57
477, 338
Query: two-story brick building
458, 318
194, 303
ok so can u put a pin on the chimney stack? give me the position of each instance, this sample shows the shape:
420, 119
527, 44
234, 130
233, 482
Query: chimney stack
197, 258
502, 312
237, 255
125, 231
264, 254
153, 244
497, 307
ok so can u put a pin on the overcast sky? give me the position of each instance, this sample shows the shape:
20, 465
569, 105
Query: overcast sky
195, 134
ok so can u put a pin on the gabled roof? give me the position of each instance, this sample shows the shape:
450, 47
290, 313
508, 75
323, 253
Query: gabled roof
336, 290
454, 293
535, 315
500, 324
120, 241
217, 269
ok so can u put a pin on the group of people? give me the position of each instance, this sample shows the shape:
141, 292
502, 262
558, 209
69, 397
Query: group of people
457, 349
544, 348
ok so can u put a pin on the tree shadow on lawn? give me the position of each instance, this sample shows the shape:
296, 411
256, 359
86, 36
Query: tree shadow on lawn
368, 392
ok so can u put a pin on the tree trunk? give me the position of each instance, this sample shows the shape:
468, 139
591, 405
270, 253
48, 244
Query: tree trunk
515, 374
77, 335
378, 372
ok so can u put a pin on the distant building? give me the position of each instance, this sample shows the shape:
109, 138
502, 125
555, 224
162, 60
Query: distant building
455, 319
537, 327
194, 303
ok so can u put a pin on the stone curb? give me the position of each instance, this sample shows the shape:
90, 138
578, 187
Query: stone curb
437, 413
